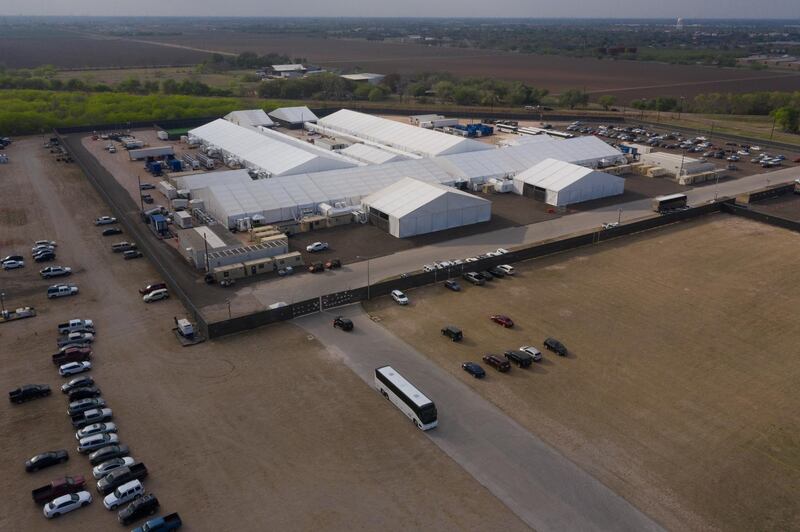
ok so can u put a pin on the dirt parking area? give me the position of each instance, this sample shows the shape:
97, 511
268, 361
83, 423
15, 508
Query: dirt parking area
786, 206
679, 391
261, 431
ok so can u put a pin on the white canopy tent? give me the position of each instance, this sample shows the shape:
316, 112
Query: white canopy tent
560, 183
250, 118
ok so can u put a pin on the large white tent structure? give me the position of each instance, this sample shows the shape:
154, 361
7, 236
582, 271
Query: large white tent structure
293, 117
411, 207
370, 154
250, 118
398, 135
560, 183
257, 150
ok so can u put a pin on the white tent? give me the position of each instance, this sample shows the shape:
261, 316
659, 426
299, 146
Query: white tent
370, 154
250, 118
399, 135
293, 116
411, 207
559, 183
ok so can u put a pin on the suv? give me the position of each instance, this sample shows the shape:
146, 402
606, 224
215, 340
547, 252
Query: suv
557, 347
520, 358
497, 363
140, 507
474, 278
343, 323
452, 285
452, 332
152, 287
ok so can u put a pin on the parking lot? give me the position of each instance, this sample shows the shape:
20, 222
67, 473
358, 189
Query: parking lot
679, 390
264, 430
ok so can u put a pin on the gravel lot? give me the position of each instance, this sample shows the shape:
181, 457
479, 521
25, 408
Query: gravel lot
680, 390
265, 430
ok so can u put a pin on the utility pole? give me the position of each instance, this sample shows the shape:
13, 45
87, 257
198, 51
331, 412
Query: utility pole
2, 303
619, 217
368, 273
141, 199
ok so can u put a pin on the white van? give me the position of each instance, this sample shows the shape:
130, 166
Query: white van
121, 495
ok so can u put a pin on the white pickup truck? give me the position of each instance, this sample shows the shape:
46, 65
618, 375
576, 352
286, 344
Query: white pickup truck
61, 290
76, 325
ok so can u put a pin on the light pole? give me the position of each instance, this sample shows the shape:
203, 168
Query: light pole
368, 280
2, 303
141, 199
228, 301
619, 217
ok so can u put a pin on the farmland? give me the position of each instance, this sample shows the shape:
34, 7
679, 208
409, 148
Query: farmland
679, 392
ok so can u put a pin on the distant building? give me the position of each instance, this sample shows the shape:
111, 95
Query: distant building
679, 24
288, 71
365, 77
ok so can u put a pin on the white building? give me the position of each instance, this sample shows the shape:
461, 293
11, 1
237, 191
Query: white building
410, 207
250, 118
365, 77
293, 117
676, 165
398, 135
560, 184
288, 71
264, 151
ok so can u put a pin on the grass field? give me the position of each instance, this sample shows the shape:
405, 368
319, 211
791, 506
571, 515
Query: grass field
680, 389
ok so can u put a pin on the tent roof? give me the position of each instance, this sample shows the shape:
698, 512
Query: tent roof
370, 154
555, 175
250, 117
408, 195
288, 68
399, 135
294, 115
266, 152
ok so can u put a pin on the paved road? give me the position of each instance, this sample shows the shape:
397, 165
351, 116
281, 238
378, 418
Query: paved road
303, 287
543, 488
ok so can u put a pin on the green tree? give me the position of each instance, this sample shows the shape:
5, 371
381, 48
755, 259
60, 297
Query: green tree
788, 118
466, 95
377, 94
572, 98
444, 90
607, 101
362, 91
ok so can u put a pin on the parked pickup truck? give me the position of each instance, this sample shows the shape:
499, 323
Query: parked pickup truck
161, 524
120, 476
76, 325
73, 354
61, 290
95, 415
57, 488
28, 392
76, 338
121, 247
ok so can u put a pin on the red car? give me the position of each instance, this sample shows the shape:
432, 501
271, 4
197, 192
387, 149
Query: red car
505, 321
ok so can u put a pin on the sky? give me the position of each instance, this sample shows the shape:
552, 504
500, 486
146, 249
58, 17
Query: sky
416, 8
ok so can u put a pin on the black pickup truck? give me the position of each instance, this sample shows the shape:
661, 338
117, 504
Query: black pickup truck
120, 476
28, 392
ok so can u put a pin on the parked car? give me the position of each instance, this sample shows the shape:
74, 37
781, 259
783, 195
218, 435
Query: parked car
399, 297
151, 287
72, 354
506, 269
317, 246
74, 325
84, 392
132, 254
474, 278
557, 347
156, 295
500, 364
520, 358
500, 319
496, 272
8, 258
46, 459
51, 243
66, 504
57, 488
452, 285
107, 453
453, 332
95, 428
121, 247
147, 186
125, 493
105, 220
44, 256
121, 476
76, 337
108, 466
96, 415
111, 231
39, 248
73, 368
96, 441
143, 506
474, 369
77, 382
161, 524
61, 290
486, 275
343, 323
316, 267
533, 352
78, 407
28, 392
54, 271
13, 264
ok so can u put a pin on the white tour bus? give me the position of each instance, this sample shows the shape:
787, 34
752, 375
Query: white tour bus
408, 399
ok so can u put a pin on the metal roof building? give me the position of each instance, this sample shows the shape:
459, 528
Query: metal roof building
264, 152
372, 79
411, 207
399, 135
250, 118
370, 154
293, 117
560, 183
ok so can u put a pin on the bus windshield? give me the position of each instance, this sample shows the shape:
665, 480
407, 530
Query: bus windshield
427, 414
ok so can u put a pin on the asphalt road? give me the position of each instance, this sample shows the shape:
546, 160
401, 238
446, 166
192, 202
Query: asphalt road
355, 275
538, 484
